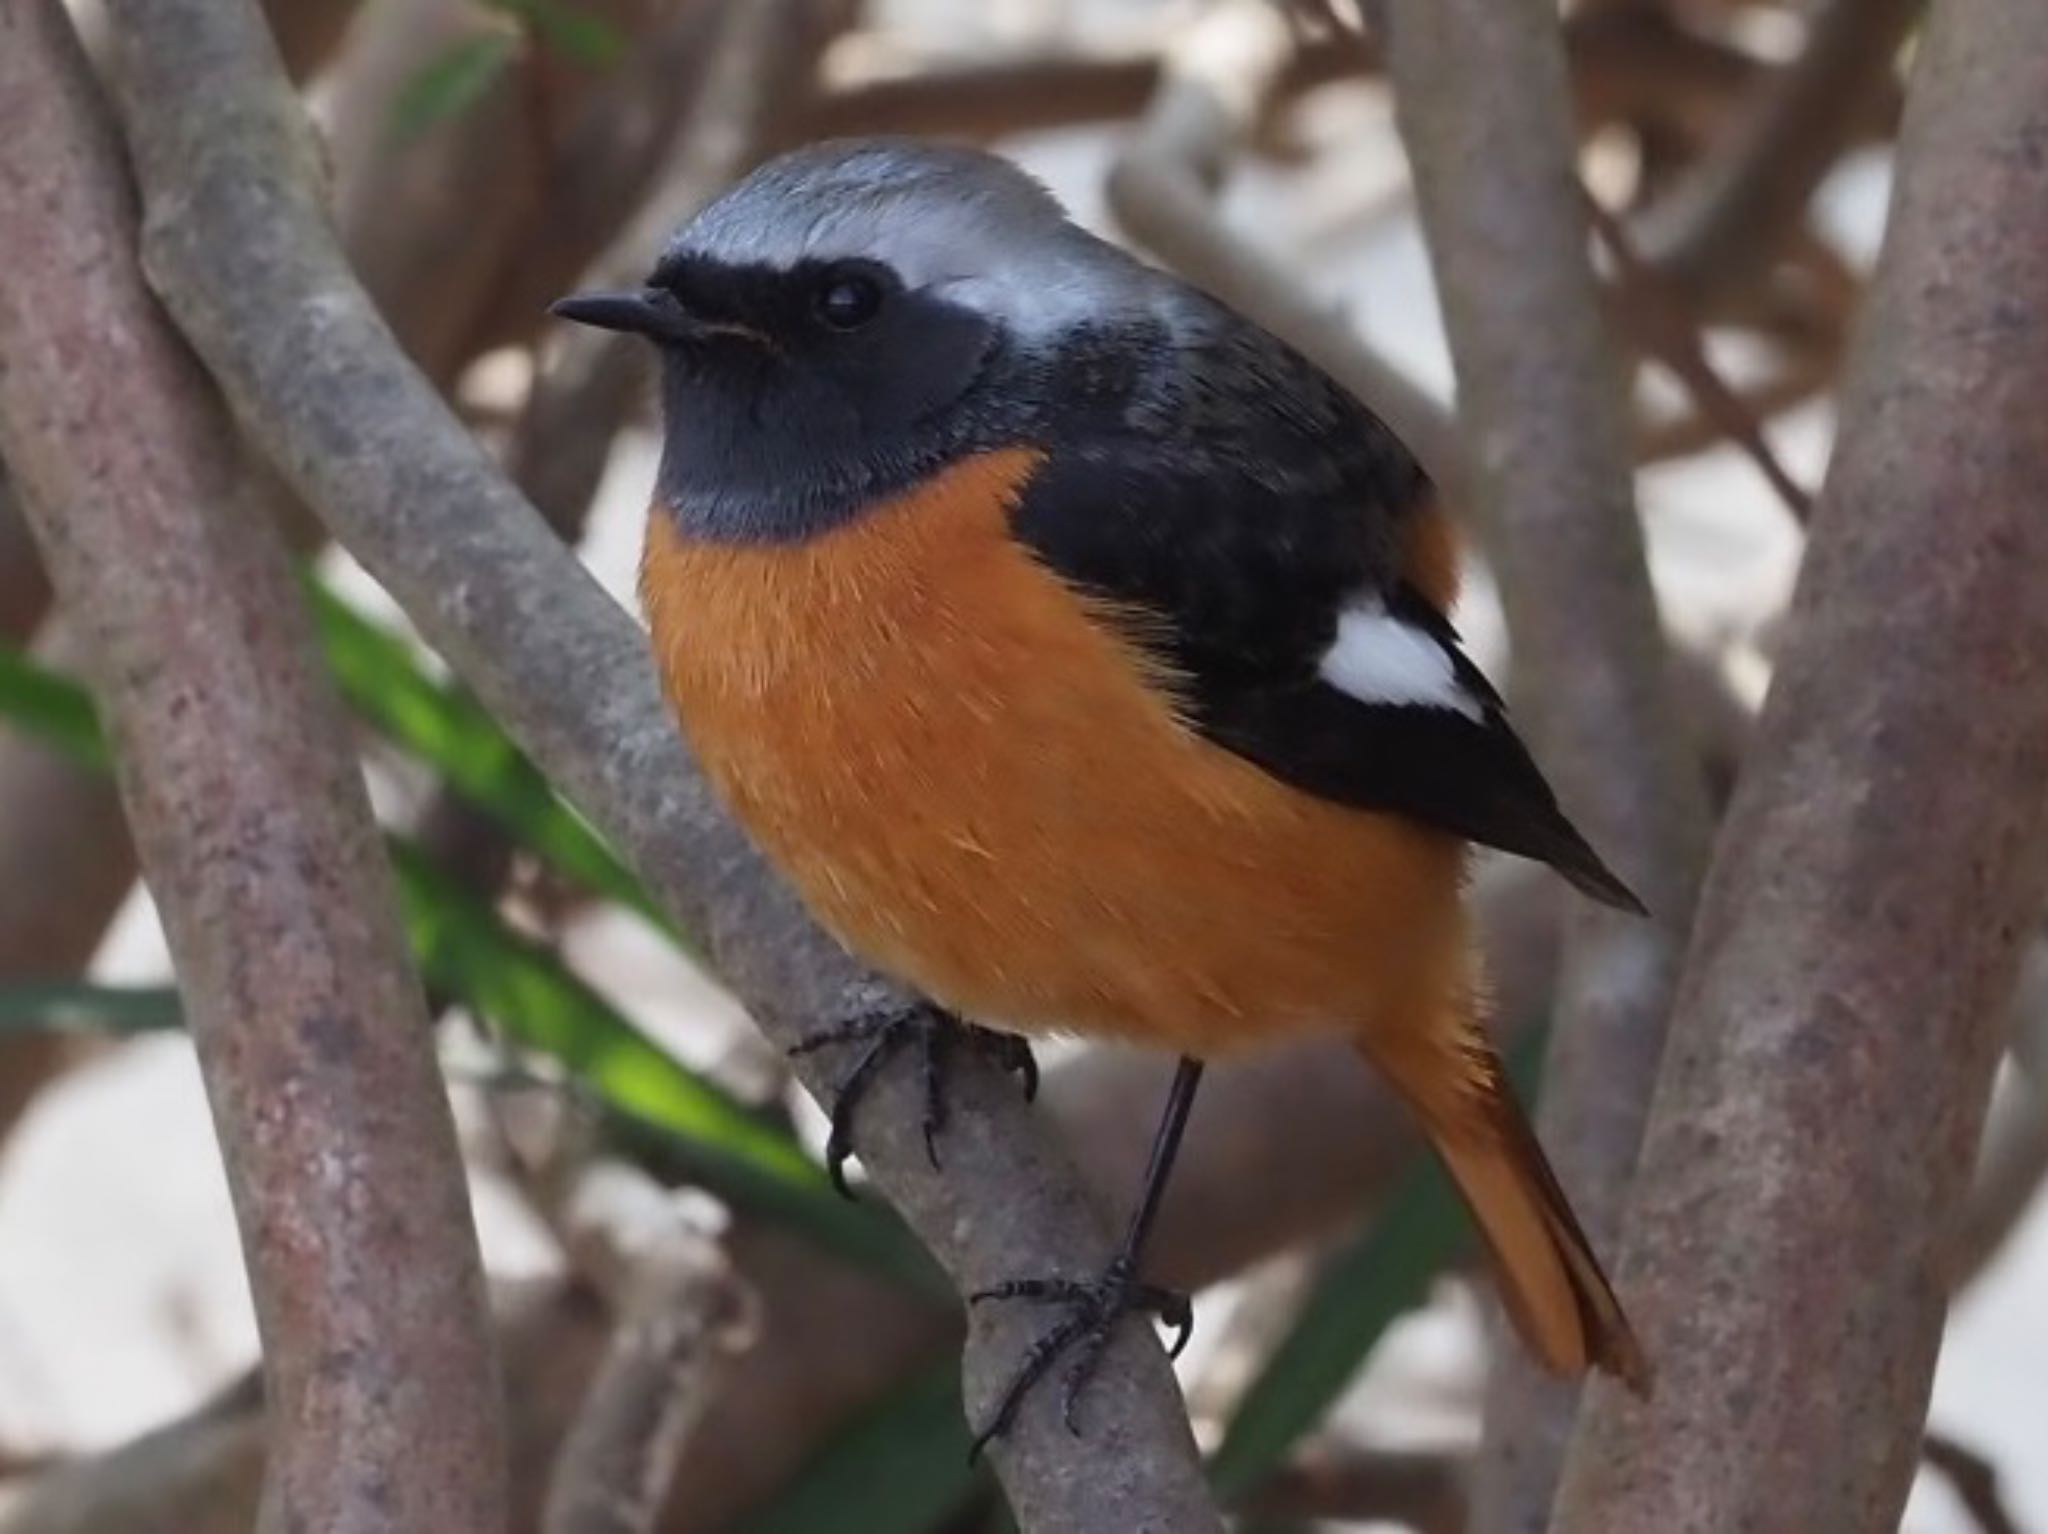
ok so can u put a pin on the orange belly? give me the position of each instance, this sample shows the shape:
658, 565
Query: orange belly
984, 791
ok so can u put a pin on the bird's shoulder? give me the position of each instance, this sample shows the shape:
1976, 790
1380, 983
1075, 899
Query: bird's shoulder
1268, 541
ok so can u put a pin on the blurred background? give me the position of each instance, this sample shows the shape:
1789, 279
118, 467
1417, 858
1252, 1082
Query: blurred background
488, 155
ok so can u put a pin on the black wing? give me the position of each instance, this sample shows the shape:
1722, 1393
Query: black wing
1242, 569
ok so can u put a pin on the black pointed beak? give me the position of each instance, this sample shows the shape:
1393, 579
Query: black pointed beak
650, 312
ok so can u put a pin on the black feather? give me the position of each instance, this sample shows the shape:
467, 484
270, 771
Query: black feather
1239, 546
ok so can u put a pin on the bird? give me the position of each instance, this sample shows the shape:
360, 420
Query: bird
1082, 653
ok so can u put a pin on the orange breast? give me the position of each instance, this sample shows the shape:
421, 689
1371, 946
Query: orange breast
986, 791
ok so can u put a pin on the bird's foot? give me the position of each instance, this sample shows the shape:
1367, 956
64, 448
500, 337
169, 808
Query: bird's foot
885, 1033
1093, 1307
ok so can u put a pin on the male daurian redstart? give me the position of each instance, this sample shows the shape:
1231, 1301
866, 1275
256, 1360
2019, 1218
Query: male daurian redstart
1080, 652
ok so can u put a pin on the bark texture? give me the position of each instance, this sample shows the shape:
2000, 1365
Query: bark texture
1882, 866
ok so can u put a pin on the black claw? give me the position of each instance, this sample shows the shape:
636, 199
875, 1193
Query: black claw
1175, 1311
838, 1146
886, 1033
1015, 1056
1094, 1307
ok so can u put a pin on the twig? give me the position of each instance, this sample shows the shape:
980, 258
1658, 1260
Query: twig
682, 1314
1663, 326
1262, 1312
251, 820
1483, 106
1797, 378
613, 157
1973, 1478
987, 101
1732, 216
238, 247
463, 234
200, 1473
1162, 188
763, 57
2012, 1164
2012, 1160
1880, 872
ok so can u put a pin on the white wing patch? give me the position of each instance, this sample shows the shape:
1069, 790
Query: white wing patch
1377, 658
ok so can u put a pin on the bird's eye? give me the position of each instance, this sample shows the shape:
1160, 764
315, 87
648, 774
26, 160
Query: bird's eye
848, 300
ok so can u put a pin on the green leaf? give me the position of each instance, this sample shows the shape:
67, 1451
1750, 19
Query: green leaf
51, 706
1379, 1277
450, 83
381, 676
465, 948
899, 1468
1368, 1286
585, 38
77, 1006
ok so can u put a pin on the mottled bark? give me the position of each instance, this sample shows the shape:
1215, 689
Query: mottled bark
1879, 874
1484, 107
237, 773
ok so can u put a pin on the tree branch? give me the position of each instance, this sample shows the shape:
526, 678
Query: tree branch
237, 245
251, 819
682, 1315
1883, 863
1290, 1149
1483, 105
200, 1473
985, 101
1730, 217
1662, 325
2012, 1156
1293, 1143
1974, 1480
2012, 1164
1162, 189
764, 56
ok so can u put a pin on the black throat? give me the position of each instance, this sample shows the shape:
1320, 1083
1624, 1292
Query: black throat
759, 449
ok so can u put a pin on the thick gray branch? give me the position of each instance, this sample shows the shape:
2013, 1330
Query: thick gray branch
1882, 865
250, 817
239, 249
1485, 110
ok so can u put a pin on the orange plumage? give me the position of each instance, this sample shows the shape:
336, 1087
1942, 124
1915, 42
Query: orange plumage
977, 782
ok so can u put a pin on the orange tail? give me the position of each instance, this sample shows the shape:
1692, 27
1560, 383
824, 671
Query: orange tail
1550, 1281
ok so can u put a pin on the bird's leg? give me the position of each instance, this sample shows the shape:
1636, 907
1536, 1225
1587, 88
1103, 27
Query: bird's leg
1093, 1306
885, 1033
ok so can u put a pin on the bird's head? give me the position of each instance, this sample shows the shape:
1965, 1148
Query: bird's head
854, 314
